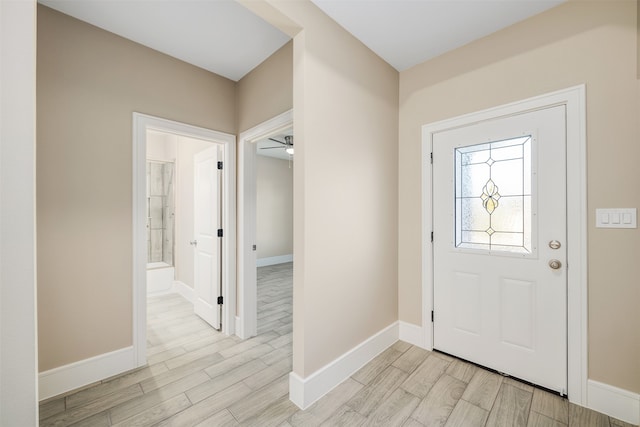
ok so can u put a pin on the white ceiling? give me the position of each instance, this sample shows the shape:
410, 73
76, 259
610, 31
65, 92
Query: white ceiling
221, 36
408, 32
225, 38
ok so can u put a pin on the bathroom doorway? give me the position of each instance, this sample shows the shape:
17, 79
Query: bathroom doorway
167, 192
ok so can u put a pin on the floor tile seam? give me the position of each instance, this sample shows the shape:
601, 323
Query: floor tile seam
88, 414
171, 415
473, 404
547, 416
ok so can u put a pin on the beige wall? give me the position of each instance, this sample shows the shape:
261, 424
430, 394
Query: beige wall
89, 82
274, 207
187, 148
345, 187
579, 42
267, 90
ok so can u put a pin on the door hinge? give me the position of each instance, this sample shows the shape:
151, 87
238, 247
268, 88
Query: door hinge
432, 236
431, 316
220, 300
220, 232
219, 165
431, 158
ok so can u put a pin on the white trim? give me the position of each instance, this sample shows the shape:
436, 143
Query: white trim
18, 308
274, 260
305, 391
574, 100
142, 122
616, 402
247, 289
184, 290
411, 334
78, 374
239, 327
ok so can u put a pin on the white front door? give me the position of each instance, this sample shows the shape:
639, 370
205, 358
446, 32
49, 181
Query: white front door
499, 221
207, 243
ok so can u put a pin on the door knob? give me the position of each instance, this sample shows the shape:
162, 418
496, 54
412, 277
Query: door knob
193, 242
555, 264
554, 244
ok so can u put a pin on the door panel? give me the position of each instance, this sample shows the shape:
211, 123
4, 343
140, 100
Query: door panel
207, 221
499, 197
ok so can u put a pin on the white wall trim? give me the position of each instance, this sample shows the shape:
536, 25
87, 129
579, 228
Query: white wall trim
305, 391
613, 401
574, 100
78, 374
247, 289
240, 328
411, 334
184, 290
142, 122
274, 260
18, 308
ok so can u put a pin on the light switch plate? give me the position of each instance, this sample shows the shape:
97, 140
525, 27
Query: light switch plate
616, 218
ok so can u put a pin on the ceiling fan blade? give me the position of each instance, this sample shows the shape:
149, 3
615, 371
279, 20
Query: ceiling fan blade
279, 142
270, 148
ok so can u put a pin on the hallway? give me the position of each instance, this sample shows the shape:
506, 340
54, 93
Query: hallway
200, 377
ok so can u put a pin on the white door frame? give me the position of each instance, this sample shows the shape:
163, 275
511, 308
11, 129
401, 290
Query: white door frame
574, 100
247, 322
141, 123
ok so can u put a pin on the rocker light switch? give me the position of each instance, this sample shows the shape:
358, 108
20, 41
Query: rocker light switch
616, 218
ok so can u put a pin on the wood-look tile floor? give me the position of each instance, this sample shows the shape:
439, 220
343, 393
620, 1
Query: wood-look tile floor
199, 377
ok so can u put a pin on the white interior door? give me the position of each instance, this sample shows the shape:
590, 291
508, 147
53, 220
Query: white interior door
207, 243
499, 221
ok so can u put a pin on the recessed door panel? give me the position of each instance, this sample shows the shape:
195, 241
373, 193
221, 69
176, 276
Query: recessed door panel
517, 313
466, 294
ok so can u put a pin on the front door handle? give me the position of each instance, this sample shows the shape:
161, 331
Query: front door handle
555, 264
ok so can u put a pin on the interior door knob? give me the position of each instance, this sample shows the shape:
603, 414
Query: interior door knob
555, 264
554, 244
193, 242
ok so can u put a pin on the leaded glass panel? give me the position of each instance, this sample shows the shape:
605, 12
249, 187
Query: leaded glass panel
493, 209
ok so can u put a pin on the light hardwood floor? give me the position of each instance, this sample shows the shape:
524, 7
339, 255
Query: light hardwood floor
199, 377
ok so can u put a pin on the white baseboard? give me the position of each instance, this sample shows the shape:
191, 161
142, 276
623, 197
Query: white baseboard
78, 374
615, 402
184, 290
305, 391
412, 334
273, 260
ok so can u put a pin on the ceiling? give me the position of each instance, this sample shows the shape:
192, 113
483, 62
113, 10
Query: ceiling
225, 38
221, 36
278, 153
408, 32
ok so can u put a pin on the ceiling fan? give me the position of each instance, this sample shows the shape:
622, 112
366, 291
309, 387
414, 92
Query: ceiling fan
287, 144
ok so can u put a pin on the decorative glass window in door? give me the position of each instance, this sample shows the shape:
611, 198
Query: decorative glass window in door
493, 196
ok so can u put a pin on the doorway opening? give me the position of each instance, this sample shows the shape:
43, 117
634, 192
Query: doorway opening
183, 221
250, 142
